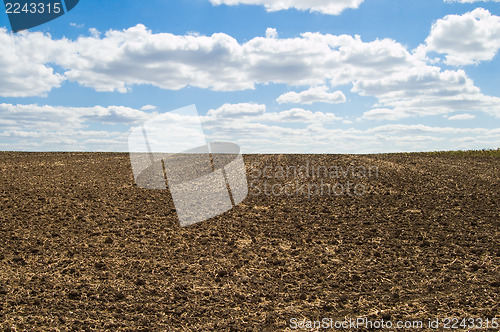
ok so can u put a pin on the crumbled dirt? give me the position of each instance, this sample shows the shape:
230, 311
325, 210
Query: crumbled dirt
84, 249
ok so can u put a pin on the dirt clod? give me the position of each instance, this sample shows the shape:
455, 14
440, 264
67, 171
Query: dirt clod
74, 295
140, 282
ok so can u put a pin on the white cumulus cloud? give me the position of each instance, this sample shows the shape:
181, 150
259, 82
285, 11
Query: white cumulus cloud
403, 82
46, 117
331, 7
251, 112
424, 91
237, 110
271, 33
120, 59
317, 94
45, 128
54, 128
466, 39
464, 116
24, 71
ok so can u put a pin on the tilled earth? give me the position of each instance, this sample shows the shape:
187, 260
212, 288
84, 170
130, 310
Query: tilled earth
83, 248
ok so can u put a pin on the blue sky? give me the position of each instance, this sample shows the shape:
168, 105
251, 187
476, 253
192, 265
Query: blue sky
339, 76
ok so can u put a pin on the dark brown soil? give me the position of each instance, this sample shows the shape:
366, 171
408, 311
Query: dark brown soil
83, 248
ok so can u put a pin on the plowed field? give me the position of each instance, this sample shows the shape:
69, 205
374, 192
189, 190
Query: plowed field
392, 237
